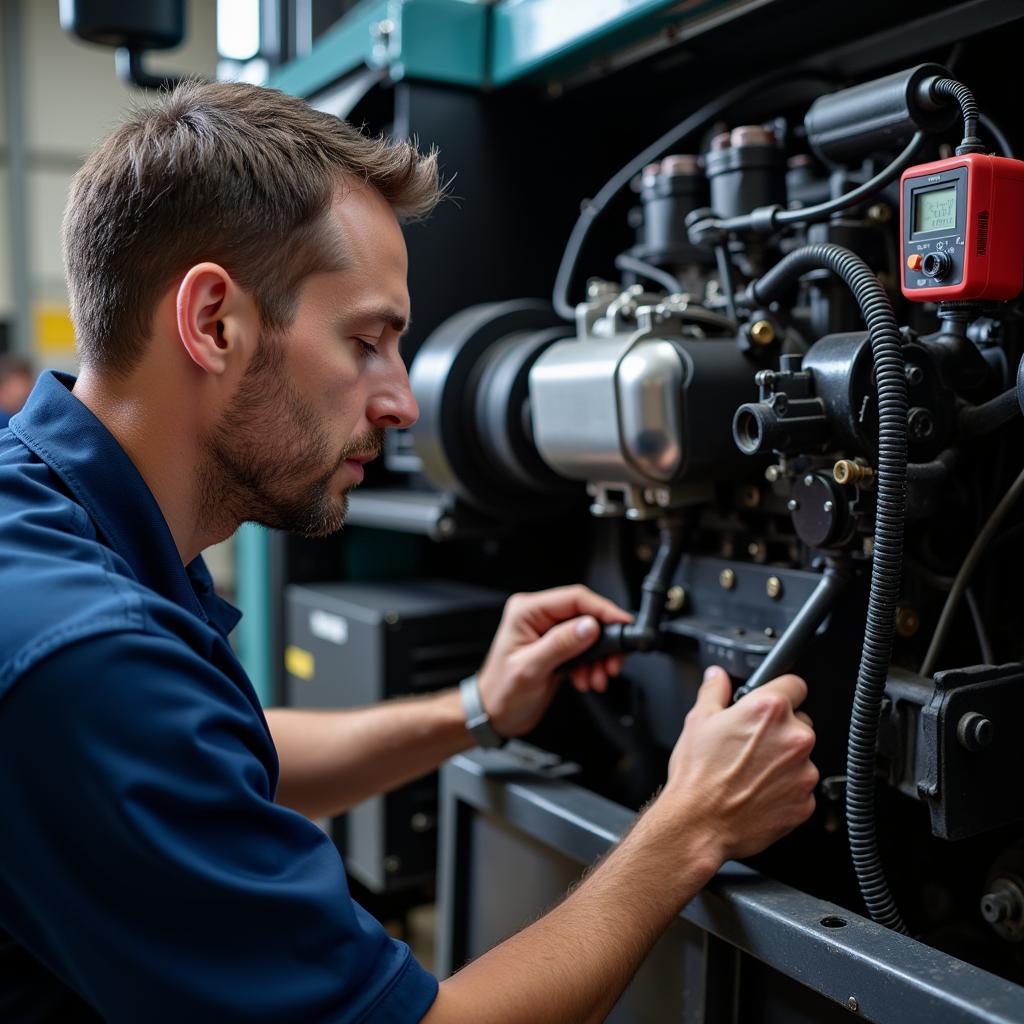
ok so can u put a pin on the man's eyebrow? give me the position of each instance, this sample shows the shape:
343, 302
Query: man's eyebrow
386, 314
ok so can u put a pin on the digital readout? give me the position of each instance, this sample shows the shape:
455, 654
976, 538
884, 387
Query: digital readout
935, 211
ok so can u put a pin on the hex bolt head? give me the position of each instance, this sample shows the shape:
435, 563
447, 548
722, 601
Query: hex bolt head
772, 473
793, 505
675, 598
975, 732
727, 579
773, 587
914, 374
852, 1004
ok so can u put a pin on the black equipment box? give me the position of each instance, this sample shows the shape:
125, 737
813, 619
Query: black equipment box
353, 644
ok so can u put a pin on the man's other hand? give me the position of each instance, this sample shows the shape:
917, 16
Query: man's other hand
539, 632
743, 771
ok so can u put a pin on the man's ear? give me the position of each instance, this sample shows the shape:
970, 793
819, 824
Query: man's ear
216, 318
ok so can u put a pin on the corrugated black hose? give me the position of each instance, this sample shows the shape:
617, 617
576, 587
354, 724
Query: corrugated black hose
886, 567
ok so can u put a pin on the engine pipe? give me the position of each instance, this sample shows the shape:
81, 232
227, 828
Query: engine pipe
887, 561
798, 633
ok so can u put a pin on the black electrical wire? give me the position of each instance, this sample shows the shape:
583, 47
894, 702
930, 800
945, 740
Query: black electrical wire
970, 563
768, 219
1001, 141
725, 276
641, 268
611, 188
987, 655
887, 560
954, 90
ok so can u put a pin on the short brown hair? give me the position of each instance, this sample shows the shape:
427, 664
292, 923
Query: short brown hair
236, 174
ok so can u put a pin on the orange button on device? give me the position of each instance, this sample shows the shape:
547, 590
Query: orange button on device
914, 262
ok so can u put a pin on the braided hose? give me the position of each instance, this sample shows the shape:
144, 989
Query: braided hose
959, 92
886, 566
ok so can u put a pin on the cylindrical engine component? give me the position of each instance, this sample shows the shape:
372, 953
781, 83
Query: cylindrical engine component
669, 190
827, 405
650, 412
473, 435
762, 427
747, 169
878, 116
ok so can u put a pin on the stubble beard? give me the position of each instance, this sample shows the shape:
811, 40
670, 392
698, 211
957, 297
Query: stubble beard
262, 457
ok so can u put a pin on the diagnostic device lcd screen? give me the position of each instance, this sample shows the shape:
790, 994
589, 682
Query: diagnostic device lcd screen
935, 211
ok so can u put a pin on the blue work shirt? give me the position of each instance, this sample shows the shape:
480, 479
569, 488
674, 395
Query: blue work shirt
146, 873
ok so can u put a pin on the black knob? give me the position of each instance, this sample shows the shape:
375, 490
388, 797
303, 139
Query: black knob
937, 265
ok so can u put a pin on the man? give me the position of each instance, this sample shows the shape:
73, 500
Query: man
237, 276
16, 380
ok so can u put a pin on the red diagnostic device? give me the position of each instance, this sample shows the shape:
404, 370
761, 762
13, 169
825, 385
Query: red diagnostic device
962, 224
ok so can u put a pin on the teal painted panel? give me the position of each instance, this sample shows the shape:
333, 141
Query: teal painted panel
341, 49
252, 582
539, 36
444, 41
435, 40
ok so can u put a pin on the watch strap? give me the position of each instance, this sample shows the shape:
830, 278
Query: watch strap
478, 722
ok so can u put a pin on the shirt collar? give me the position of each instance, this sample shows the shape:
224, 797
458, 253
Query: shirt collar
80, 450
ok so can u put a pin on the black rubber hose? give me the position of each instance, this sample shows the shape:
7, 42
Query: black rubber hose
955, 90
983, 419
768, 218
886, 565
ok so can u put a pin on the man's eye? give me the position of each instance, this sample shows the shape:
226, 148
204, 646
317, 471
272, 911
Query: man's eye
366, 348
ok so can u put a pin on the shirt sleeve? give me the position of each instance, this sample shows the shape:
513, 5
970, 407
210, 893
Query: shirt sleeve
146, 864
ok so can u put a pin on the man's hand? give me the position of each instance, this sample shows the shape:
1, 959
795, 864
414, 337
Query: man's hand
539, 632
742, 771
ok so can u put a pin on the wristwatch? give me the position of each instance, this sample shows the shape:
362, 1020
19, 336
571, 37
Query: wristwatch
478, 722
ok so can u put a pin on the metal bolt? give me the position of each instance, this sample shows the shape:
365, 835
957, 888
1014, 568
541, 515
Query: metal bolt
793, 505
880, 213
757, 550
446, 526
908, 622
827, 506
809, 480
772, 473
391, 863
391, 618
996, 907
774, 587
769, 632
762, 333
920, 424
421, 822
853, 1004
675, 598
975, 732
727, 579
914, 374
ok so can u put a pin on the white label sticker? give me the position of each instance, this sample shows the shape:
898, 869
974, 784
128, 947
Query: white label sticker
326, 626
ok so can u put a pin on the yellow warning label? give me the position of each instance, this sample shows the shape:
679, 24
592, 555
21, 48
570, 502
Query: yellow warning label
54, 334
299, 662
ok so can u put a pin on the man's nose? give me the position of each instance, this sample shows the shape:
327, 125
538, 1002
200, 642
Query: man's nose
394, 404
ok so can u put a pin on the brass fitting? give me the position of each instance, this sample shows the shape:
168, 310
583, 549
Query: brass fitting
761, 333
846, 471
